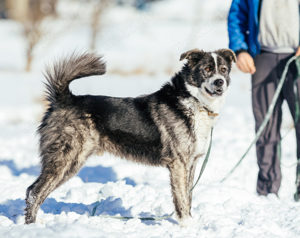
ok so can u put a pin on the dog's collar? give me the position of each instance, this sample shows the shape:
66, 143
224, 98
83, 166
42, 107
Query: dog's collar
209, 112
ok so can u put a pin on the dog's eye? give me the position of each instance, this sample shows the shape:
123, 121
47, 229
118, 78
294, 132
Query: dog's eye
207, 69
223, 69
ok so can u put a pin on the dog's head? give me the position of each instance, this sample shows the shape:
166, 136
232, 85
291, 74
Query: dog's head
209, 72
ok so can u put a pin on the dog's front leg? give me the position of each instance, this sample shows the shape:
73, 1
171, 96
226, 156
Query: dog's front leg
179, 176
191, 181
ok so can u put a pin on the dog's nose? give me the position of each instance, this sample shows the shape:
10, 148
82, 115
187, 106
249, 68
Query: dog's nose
219, 82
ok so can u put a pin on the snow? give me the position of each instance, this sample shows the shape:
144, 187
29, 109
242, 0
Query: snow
142, 51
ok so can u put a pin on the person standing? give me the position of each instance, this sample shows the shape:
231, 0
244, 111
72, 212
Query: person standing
264, 34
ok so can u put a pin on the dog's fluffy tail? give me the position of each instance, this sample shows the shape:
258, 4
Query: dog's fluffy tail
64, 72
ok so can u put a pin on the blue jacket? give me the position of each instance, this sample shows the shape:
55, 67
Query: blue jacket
243, 26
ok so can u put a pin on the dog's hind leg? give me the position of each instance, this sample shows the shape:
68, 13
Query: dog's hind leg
49, 180
38, 191
57, 168
179, 175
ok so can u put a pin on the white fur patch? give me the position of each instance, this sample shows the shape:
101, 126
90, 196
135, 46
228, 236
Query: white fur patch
214, 55
30, 199
202, 126
214, 104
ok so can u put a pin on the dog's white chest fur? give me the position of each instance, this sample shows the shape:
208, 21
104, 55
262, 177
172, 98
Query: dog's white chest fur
203, 124
203, 118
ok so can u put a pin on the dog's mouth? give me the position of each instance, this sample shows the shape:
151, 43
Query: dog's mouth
216, 92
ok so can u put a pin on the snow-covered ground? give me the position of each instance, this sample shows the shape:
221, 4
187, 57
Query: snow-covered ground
149, 45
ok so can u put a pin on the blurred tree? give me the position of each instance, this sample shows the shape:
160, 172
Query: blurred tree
32, 29
31, 14
2, 9
97, 13
20, 9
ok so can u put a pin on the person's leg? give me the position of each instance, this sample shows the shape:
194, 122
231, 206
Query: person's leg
264, 83
291, 92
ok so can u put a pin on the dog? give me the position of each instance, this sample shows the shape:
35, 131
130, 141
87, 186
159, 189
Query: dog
170, 127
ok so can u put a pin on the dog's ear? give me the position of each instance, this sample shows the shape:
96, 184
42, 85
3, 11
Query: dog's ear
193, 56
227, 54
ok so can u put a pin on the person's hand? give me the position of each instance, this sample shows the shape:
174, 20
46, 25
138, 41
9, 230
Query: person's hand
298, 52
245, 63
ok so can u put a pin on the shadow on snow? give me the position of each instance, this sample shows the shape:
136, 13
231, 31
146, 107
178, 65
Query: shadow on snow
12, 209
33, 170
100, 174
97, 174
110, 206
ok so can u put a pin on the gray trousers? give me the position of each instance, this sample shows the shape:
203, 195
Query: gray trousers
269, 67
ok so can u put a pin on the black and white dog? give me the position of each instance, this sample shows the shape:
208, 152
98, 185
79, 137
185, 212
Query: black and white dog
167, 128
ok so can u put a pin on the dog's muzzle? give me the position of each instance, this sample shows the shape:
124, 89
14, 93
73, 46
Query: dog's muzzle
217, 88
219, 82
